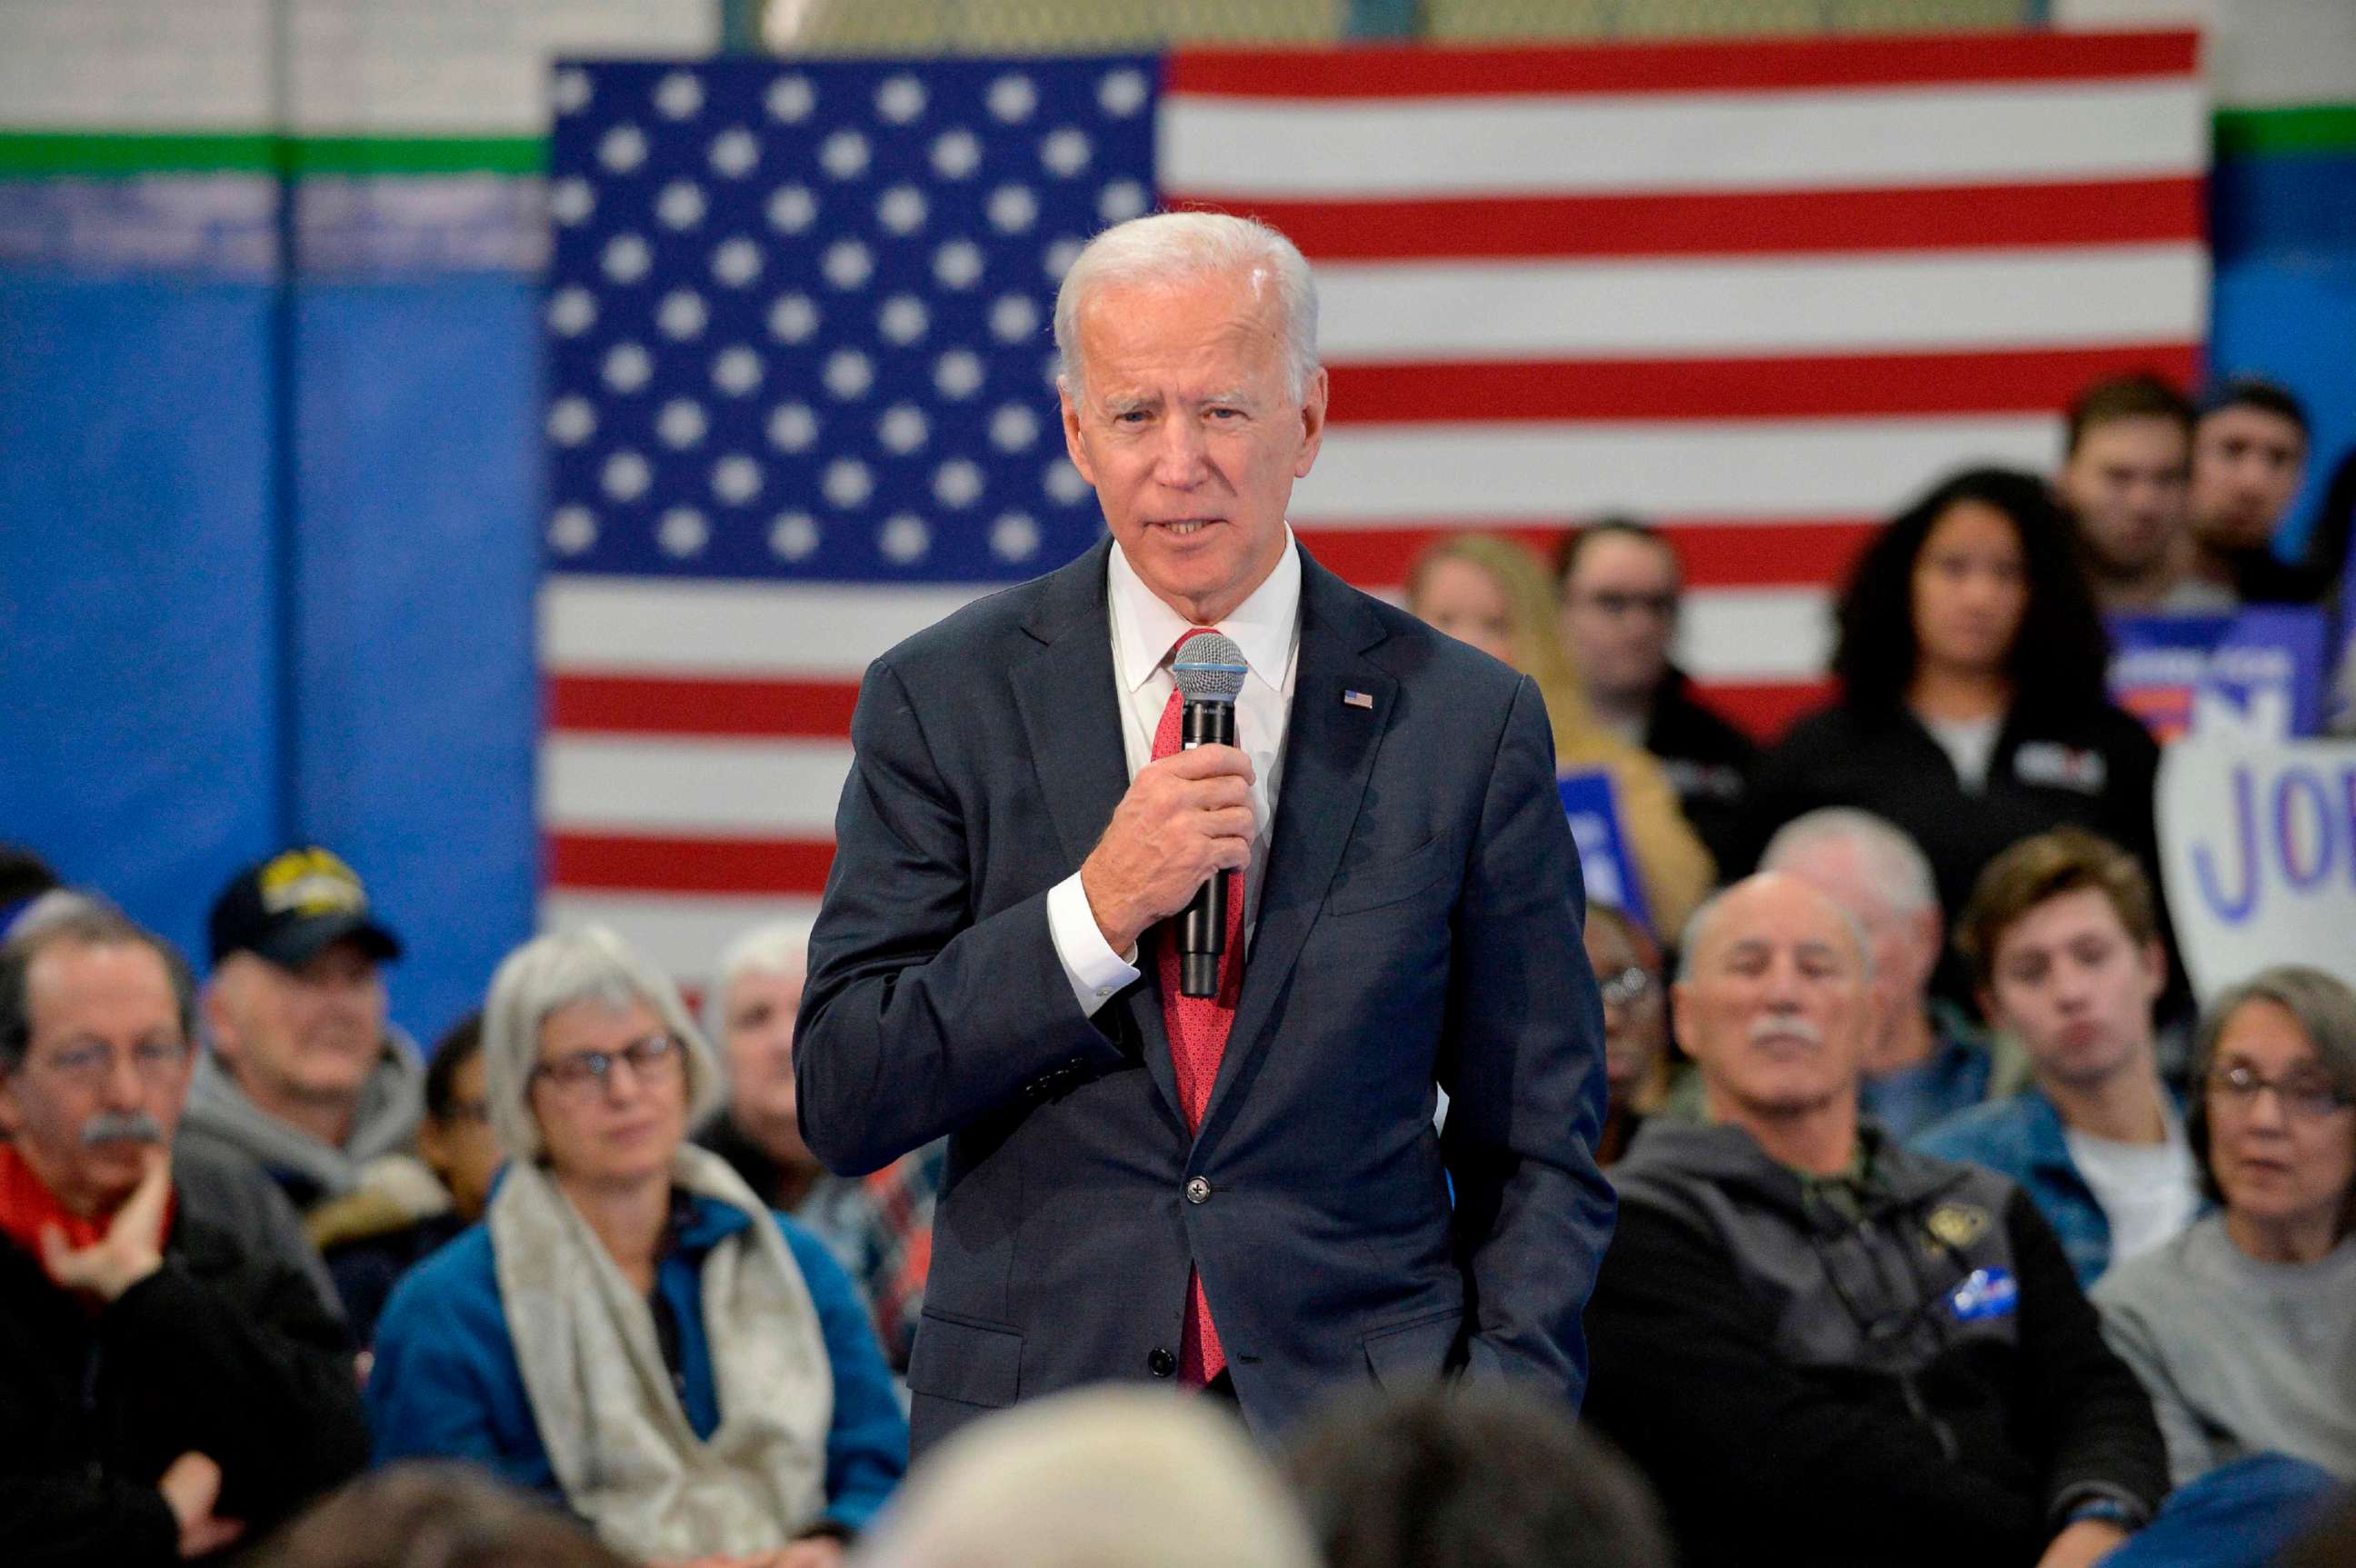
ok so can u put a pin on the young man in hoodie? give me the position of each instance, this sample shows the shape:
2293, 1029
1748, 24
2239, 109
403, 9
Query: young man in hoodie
1821, 1345
305, 1077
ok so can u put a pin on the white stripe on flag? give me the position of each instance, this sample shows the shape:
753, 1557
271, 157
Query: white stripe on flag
754, 789
646, 624
1394, 311
1828, 468
1736, 141
679, 933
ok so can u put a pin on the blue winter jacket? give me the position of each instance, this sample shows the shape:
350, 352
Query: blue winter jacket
447, 1385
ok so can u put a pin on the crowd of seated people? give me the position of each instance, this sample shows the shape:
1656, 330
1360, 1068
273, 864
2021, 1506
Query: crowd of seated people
1943, 1236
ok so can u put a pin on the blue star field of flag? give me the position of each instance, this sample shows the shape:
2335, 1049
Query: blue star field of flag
798, 314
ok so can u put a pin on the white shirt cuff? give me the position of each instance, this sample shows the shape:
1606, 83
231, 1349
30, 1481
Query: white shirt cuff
1094, 971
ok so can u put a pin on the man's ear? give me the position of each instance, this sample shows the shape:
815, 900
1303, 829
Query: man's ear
1681, 1007
12, 1117
220, 1017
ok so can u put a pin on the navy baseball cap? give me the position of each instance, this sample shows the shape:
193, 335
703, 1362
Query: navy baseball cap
294, 906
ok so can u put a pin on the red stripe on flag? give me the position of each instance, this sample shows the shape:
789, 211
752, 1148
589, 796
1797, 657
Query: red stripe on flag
1392, 71
616, 862
651, 704
1732, 223
1765, 708
2023, 381
1827, 387
1807, 554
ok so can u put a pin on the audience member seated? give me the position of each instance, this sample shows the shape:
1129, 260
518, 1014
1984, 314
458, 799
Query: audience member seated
1470, 1476
1927, 1060
2243, 1328
163, 1391
630, 1331
305, 1077
1627, 964
1621, 585
2063, 941
2249, 458
880, 1226
370, 1240
1103, 1477
435, 1516
24, 878
1971, 710
1495, 594
1821, 1347
2125, 478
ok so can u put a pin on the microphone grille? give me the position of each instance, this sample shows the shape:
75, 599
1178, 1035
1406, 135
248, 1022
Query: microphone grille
1209, 668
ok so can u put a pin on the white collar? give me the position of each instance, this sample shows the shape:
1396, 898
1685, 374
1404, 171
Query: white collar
1264, 626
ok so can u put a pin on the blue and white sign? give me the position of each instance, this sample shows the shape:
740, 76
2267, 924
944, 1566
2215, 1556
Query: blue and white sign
2256, 675
1605, 857
2258, 845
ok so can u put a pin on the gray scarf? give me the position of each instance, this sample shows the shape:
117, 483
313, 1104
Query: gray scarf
602, 1397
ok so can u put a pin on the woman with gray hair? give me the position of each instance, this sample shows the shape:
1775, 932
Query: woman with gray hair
630, 1331
2243, 1327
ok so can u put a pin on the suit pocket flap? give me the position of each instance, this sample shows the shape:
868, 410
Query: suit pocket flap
1387, 882
969, 1362
1418, 1351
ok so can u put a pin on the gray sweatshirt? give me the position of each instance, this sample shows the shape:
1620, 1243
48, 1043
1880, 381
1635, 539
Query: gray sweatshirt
2240, 1357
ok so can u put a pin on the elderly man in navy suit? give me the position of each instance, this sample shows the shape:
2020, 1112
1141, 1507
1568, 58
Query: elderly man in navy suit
1244, 1192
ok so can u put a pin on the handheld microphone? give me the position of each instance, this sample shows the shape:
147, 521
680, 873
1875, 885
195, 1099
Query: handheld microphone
1209, 669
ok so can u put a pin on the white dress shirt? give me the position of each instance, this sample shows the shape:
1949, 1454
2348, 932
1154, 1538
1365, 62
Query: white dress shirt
1267, 627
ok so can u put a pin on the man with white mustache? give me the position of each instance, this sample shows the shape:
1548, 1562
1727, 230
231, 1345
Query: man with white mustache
1823, 1346
164, 1389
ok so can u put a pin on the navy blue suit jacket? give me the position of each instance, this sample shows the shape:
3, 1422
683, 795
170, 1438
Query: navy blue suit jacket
1418, 924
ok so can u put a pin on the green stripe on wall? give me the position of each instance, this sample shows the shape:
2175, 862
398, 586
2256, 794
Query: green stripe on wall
2278, 132
102, 155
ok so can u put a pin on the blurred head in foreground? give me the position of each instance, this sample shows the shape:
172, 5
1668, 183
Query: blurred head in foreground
1471, 1476
1103, 1479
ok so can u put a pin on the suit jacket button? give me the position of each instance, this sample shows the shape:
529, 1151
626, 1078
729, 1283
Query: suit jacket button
1198, 1190
1161, 1362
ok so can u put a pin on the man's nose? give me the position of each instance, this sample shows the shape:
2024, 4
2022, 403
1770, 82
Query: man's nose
1179, 459
123, 1089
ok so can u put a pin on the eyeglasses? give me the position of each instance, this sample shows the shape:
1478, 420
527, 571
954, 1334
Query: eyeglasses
1626, 988
93, 1063
583, 1073
2309, 1099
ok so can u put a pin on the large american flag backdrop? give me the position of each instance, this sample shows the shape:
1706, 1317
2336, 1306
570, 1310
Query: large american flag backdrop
800, 378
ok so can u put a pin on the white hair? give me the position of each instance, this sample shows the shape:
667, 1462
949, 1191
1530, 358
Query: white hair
779, 947
1164, 248
1703, 920
1107, 1477
1892, 861
550, 974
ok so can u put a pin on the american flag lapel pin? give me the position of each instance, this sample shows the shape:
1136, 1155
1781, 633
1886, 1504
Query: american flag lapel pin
1353, 699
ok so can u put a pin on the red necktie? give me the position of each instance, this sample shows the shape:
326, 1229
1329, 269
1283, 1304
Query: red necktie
1198, 1039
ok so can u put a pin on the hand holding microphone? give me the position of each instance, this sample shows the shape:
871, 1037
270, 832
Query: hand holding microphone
1186, 825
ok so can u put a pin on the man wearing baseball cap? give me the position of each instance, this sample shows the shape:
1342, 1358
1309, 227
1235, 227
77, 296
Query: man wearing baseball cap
305, 1076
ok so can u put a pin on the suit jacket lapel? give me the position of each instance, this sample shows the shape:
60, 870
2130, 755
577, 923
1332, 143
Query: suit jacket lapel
1329, 753
1071, 717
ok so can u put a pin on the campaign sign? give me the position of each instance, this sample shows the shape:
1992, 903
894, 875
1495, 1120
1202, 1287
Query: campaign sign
2256, 674
2258, 845
1605, 857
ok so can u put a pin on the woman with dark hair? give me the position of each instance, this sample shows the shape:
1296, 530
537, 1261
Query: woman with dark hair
1972, 712
2243, 1327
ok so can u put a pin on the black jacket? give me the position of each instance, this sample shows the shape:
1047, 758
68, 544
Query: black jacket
1804, 1386
2083, 767
218, 1352
1708, 762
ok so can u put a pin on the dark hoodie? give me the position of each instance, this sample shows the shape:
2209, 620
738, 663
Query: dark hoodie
1900, 1369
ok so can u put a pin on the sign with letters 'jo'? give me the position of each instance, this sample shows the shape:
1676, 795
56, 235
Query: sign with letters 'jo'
1605, 857
2258, 849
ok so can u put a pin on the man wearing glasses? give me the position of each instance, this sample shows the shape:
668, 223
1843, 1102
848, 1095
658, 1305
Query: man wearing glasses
164, 1390
1621, 591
